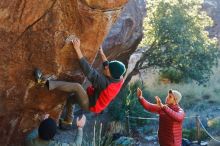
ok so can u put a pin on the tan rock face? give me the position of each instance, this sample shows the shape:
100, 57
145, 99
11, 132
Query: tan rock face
105, 4
32, 34
126, 33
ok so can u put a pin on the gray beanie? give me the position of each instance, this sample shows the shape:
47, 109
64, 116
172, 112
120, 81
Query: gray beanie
177, 95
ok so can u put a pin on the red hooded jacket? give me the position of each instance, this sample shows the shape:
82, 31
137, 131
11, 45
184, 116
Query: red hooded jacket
103, 89
170, 123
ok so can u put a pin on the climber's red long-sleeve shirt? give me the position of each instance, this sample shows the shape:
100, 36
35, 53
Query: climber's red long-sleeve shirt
170, 123
103, 89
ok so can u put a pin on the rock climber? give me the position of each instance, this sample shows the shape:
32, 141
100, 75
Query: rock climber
104, 86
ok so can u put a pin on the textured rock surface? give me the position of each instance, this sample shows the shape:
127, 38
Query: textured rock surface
32, 34
126, 33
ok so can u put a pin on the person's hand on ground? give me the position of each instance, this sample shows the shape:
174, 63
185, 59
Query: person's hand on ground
81, 122
139, 93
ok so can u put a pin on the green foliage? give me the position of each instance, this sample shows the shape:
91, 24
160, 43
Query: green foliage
214, 125
175, 76
191, 134
127, 104
175, 31
194, 97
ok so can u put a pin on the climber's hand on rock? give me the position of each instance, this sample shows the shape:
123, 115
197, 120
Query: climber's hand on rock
101, 50
76, 43
81, 122
104, 58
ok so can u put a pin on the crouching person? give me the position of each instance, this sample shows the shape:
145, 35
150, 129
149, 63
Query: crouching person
43, 136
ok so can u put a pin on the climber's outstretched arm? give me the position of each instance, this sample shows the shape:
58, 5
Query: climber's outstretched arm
104, 58
97, 79
76, 45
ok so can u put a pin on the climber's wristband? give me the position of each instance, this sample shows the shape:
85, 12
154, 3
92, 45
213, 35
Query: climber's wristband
106, 63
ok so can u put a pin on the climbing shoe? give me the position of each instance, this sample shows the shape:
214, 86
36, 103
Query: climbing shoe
42, 79
38, 75
64, 124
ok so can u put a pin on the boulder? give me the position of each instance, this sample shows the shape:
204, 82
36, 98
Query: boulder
126, 33
32, 35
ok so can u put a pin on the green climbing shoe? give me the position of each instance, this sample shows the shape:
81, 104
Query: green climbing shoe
42, 79
38, 75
